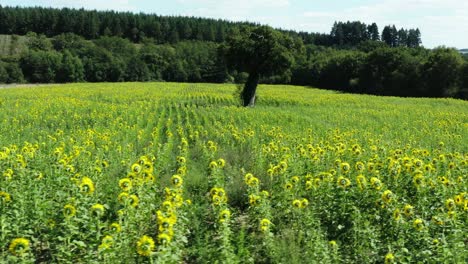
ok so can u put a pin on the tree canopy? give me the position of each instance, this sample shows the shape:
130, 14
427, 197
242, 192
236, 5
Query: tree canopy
258, 51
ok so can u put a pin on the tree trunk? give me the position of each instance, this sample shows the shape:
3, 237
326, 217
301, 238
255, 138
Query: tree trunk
250, 87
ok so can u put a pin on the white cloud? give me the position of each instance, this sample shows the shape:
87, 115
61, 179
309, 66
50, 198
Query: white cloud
239, 10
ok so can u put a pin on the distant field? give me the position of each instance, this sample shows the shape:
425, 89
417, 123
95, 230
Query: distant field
179, 173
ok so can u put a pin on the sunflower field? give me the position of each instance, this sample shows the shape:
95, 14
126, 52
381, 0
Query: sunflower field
179, 173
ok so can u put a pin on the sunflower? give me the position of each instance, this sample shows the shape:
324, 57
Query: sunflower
458, 199
317, 182
216, 200
224, 215
177, 181
376, 183
164, 239
167, 206
254, 199
361, 181
428, 168
221, 163
418, 179
136, 168
69, 211
115, 228
134, 200
19, 246
309, 185
294, 179
122, 198
253, 181
264, 225
450, 204
106, 242
145, 246
182, 170
444, 180
297, 203
389, 258
181, 160
5, 197
304, 203
387, 196
213, 165
125, 184
437, 220
97, 210
418, 224
345, 167
333, 244
408, 210
396, 215
288, 186
247, 177
87, 185
359, 166
165, 224
343, 182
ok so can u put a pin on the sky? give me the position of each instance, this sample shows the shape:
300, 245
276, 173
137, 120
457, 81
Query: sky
441, 22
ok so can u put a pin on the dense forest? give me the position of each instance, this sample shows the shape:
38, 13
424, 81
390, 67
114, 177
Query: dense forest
69, 45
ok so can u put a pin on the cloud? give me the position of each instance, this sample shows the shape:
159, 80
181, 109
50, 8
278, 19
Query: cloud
239, 10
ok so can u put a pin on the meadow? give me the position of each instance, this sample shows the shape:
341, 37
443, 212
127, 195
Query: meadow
179, 173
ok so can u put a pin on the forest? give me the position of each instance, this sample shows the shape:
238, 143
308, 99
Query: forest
49, 45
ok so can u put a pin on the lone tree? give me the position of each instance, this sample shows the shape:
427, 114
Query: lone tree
258, 51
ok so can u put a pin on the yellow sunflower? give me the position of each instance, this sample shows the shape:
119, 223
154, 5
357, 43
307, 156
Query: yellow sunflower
125, 184
145, 246
69, 211
97, 210
224, 215
115, 228
387, 196
177, 181
264, 225
87, 185
343, 182
408, 210
5, 197
418, 224
19, 246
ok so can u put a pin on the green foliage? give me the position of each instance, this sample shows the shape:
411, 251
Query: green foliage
38, 42
40, 66
442, 72
71, 69
258, 51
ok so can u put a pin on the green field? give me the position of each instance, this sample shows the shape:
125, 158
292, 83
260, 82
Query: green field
179, 173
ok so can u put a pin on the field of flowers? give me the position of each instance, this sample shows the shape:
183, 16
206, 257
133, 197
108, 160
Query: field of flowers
179, 173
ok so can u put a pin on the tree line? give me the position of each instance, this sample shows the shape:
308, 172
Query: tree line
90, 47
92, 24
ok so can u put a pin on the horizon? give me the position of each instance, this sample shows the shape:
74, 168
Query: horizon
437, 20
